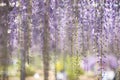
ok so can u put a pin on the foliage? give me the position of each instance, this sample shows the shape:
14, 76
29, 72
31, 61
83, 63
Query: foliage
71, 65
59, 65
37, 62
30, 71
13, 70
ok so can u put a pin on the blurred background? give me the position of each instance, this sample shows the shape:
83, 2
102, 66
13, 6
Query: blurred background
59, 39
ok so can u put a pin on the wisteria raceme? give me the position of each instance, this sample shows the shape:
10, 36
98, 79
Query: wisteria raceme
84, 30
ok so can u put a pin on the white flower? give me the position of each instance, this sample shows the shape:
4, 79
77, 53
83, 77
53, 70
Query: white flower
2, 4
36, 76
